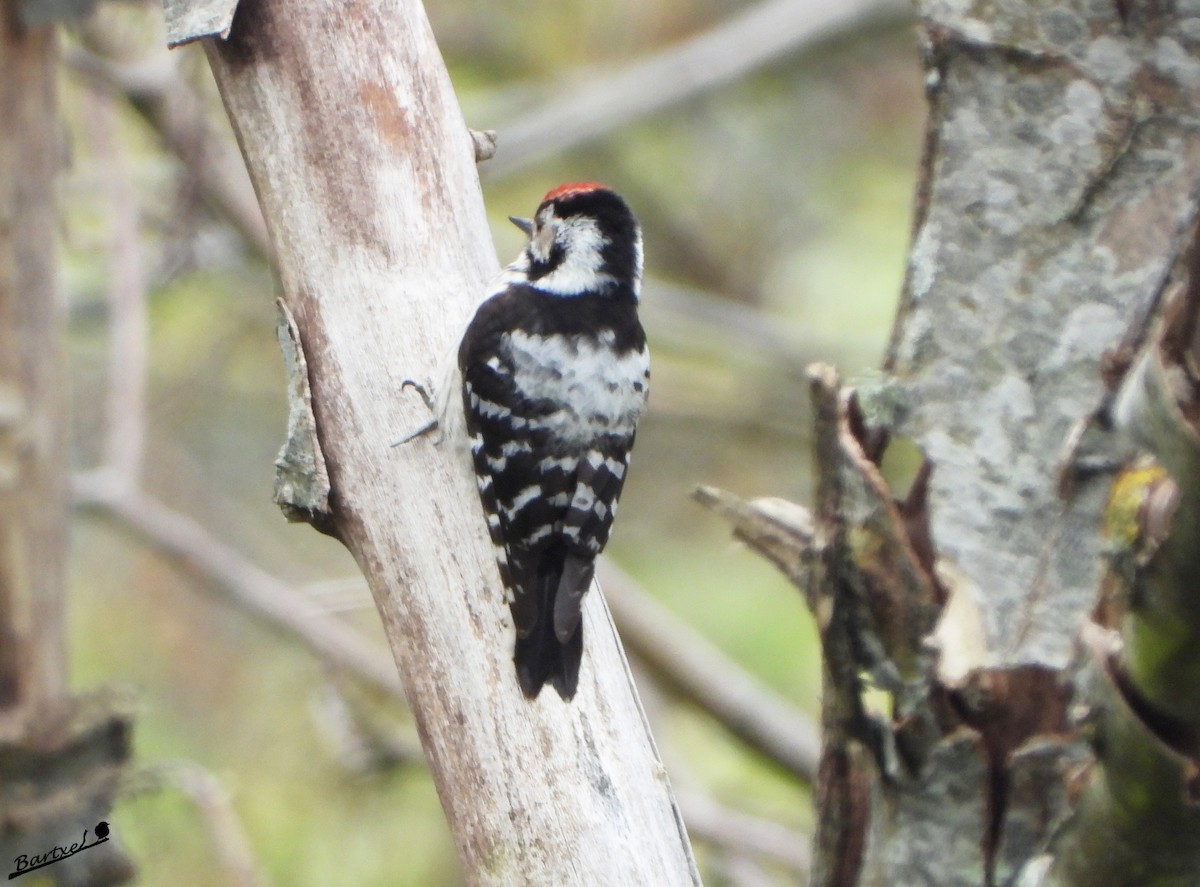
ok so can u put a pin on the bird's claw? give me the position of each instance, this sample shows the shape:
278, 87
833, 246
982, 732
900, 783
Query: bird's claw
422, 390
428, 400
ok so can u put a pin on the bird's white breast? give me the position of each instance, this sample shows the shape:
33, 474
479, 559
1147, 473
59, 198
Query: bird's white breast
597, 390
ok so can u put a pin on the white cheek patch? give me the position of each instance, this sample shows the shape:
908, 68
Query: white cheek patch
579, 272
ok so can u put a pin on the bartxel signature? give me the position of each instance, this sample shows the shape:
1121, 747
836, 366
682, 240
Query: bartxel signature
28, 863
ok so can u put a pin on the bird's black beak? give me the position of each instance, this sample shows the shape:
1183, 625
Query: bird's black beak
525, 225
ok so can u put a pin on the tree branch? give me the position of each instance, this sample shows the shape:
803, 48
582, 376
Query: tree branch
33, 406
176, 112
691, 666
745, 835
605, 101
127, 324
366, 174
186, 541
212, 802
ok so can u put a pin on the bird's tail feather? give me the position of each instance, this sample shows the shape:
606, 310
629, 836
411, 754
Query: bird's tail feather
539, 656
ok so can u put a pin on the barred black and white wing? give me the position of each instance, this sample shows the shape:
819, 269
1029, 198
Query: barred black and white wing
552, 396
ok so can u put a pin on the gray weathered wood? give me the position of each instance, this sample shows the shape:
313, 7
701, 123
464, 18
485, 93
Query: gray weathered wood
189, 20
366, 173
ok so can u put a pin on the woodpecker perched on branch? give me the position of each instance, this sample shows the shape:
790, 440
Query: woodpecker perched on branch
555, 376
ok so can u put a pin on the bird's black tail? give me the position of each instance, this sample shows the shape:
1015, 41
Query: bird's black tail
540, 657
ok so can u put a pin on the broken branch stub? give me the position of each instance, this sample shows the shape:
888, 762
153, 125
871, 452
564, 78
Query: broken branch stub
967, 758
60, 774
301, 478
873, 569
779, 530
190, 20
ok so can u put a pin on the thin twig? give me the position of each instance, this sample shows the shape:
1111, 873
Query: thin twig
694, 668
216, 811
605, 101
684, 317
251, 587
361, 742
126, 432
747, 835
172, 107
741, 842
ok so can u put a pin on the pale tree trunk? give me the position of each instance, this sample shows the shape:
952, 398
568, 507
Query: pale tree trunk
33, 458
366, 174
1030, 603
60, 756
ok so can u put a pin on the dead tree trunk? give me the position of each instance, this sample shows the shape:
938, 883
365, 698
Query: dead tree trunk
33, 461
60, 757
366, 175
1031, 603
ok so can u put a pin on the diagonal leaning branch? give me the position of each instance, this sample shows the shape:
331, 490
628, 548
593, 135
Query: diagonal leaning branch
366, 175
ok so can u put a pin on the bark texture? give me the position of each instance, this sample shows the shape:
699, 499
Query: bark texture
1060, 187
1028, 604
1060, 190
366, 174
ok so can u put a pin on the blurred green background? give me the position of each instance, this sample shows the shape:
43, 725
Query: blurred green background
776, 212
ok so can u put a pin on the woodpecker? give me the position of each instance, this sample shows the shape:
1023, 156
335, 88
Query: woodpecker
555, 375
